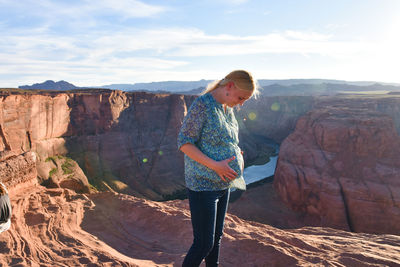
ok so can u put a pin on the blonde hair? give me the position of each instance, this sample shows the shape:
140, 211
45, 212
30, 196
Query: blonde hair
242, 79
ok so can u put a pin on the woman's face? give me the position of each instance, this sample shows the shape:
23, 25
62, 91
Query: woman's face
236, 96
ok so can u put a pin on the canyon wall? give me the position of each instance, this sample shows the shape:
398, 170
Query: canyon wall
341, 165
273, 117
335, 167
122, 141
126, 141
268, 119
135, 150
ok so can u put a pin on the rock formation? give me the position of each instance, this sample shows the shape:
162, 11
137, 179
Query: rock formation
274, 117
341, 167
18, 171
261, 203
338, 168
127, 140
60, 171
60, 227
124, 141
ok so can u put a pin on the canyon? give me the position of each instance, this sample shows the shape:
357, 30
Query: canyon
121, 141
126, 141
338, 167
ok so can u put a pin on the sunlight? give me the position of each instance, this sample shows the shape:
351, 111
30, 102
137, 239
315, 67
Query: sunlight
389, 55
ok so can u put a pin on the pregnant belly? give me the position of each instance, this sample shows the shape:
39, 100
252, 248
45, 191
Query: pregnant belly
225, 152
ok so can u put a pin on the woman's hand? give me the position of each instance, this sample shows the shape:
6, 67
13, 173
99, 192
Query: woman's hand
224, 171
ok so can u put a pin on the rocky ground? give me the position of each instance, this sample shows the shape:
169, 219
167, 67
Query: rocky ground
58, 227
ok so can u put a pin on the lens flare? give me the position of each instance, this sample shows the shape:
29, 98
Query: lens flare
160, 153
275, 106
252, 116
145, 160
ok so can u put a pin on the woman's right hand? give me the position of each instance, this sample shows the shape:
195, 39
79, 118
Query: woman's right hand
224, 171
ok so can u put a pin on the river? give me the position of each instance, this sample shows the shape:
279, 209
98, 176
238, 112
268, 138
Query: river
258, 172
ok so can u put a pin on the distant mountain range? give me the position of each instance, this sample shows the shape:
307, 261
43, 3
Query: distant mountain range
269, 87
51, 85
185, 86
167, 86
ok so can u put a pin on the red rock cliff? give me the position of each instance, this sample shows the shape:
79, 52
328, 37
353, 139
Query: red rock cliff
341, 166
125, 139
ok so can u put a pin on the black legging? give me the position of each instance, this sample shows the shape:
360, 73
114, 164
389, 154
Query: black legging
208, 209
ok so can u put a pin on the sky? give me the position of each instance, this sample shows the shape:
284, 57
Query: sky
103, 42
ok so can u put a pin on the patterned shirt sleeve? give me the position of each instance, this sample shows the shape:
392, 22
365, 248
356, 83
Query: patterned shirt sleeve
192, 124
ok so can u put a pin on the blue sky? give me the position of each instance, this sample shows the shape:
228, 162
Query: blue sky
102, 42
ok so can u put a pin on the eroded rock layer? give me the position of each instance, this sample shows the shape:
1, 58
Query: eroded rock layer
58, 227
120, 140
18, 171
341, 166
126, 141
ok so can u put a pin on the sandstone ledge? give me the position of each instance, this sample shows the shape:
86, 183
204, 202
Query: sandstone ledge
58, 226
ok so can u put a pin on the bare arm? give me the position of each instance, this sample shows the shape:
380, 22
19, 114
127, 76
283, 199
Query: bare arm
220, 167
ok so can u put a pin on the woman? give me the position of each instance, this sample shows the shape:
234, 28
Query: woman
213, 161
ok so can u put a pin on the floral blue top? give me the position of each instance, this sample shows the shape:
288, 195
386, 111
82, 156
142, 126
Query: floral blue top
215, 133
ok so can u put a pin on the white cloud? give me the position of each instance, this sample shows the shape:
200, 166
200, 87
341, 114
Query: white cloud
43, 16
233, 2
195, 43
335, 26
85, 8
129, 8
183, 42
307, 36
133, 55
